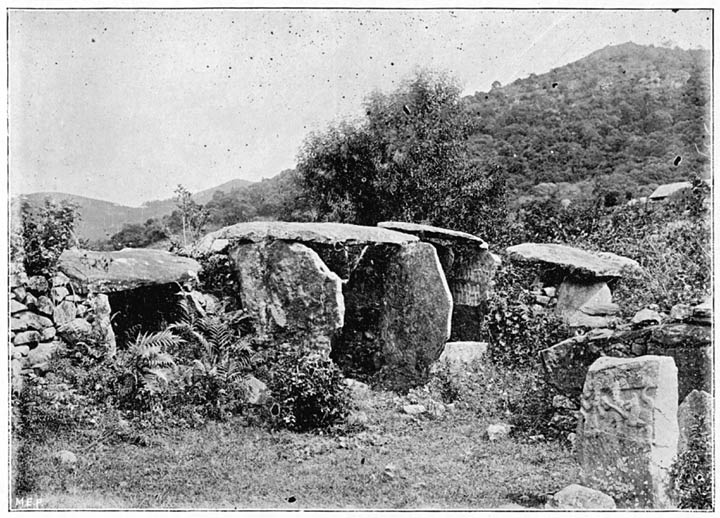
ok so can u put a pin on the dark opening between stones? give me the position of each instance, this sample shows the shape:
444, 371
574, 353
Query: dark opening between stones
143, 310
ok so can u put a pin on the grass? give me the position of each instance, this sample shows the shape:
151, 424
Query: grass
394, 461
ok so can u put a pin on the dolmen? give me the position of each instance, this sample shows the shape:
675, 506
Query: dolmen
374, 299
469, 268
583, 295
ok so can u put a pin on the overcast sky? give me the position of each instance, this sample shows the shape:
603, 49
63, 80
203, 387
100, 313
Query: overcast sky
124, 105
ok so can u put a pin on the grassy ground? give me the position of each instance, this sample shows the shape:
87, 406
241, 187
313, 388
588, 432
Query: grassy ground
394, 461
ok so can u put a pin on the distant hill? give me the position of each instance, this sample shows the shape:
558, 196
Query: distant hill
100, 219
628, 116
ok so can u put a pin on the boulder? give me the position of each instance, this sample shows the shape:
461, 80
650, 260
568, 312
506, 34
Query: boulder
130, 268
628, 430
576, 496
414, 409
498, 431
457, 355
38, 284
48, 334
64, 312
575, 261
696, 411
290, 293
681, 312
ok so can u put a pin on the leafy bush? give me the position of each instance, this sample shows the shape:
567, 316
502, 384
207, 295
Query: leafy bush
691, 475
308, 389
517, 334
46, 232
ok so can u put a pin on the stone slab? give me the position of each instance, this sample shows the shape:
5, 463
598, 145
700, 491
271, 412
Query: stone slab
130, 268
574, 260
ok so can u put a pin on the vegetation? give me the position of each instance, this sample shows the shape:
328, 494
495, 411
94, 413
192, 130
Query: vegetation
45, 232
691, 475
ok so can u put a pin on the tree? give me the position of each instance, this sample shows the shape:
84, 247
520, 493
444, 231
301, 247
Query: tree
407, 160
193, 216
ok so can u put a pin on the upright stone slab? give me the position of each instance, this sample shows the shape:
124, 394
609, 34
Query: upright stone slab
416, 321
628, 429
290, 292
694, 412
574, 295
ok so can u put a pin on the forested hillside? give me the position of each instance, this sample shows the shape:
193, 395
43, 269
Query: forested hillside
627, 116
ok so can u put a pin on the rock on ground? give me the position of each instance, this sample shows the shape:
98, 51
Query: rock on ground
576, 496
628, 429
458, 355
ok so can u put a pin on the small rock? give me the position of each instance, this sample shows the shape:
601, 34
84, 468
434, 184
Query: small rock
257, 391
26, 337
357, 418
600, 308
20, 293
75, 330
357, 388
17, 325
542, 299
498, 431
17, 279
66, 457
30, 301
41, 353
33, 320
48, 334
41, 368
560, 401
64, 312
17, 307
44, 305
647, 317
38, 284
576, 496
681, 312
414, 409
550, 291
60, 279
59, 293
20, 351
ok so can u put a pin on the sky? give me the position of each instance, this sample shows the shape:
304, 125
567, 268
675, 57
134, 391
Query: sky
124, 105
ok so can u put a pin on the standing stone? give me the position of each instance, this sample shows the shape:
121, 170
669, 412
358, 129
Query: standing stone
695, 411
100, 307
64, 312
416, 322
628, 430
574, 295
291, 294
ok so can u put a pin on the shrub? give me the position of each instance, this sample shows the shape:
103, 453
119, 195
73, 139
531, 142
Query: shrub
691, 475
309, 390
46, 232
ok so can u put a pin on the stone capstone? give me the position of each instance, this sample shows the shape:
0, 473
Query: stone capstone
576, 496
290, 293
130, 268
575, 261
628, 431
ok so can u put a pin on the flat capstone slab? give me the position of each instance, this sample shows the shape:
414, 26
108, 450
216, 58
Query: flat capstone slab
574, 260
320, 233
127, 269
430, 233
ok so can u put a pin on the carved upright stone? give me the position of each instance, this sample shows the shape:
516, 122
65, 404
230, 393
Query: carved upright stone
628, 429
